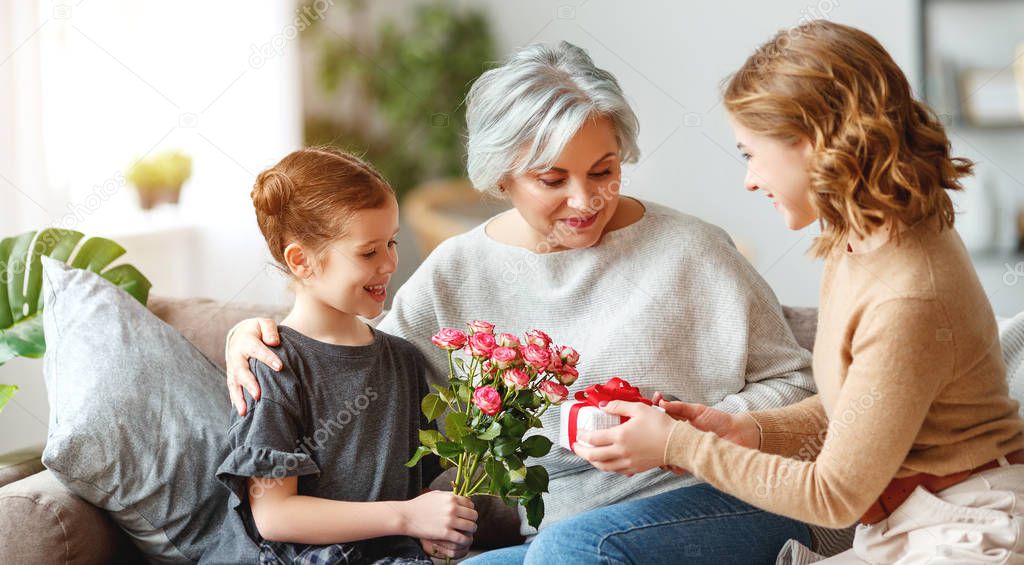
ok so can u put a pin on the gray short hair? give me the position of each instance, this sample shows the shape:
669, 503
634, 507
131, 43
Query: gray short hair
521, 115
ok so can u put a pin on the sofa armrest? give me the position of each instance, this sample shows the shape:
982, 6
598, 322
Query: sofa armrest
17, 465
43, 522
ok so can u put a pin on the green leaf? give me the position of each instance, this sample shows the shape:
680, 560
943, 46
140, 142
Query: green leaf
536, 446
62, 250
429, 438
513, 427
537, 478
459, 363
449, 449
6, 392
433, 406
444, 392
455, 426
24, 339
464, 392
6, 319
504, 447
96, 253
516, 470
535, 510
16, 269
500, 482
45, 243
130, 280
473, 444
492, 431
21, 299
420, 452
68, 240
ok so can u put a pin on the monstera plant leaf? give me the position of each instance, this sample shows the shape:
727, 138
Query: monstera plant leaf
21, 285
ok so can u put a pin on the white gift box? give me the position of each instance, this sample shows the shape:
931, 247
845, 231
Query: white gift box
588, 418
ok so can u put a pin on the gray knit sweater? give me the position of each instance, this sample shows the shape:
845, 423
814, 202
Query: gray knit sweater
666, 303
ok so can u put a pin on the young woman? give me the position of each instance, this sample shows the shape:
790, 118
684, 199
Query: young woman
643, 290
912, 431
316, 469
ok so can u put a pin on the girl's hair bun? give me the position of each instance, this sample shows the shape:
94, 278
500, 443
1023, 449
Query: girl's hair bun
272, 191
309, 195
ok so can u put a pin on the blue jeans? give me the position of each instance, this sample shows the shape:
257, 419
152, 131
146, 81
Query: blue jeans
695, 524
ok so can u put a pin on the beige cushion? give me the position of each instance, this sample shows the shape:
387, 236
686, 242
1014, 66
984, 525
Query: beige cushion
45, 523
17, 465
206, 322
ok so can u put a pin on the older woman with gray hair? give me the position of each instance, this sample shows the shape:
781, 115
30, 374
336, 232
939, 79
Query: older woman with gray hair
643, 291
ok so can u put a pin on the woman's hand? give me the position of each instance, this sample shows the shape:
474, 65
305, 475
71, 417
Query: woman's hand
440, 519
632, 447
740, 429
246, 341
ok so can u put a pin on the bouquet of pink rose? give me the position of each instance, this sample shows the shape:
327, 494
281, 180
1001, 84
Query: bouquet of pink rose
494, 396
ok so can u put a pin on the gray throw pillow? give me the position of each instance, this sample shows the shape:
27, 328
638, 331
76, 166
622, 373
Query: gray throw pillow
138, 416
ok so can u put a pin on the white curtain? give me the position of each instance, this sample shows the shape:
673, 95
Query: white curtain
26, 201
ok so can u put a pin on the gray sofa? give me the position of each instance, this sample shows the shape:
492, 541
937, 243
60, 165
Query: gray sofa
41, 522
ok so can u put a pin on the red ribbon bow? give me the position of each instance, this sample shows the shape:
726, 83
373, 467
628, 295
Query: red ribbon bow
595, 395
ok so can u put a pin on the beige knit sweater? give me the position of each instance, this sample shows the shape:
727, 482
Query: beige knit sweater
910, 380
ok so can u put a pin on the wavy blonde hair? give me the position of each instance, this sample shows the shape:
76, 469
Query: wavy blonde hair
879, 155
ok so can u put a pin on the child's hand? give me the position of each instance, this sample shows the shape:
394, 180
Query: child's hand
444, 549
440, 516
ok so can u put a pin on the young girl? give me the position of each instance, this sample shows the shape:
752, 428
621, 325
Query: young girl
316, 468
912, 432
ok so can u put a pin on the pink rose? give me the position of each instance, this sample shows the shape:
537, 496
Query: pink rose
538, 338
568, 375
555, 366
569, 355
508, 340
516, 379
480, 327
504, 357
554, 392
449, 339
481, 344
488, 400
536, 356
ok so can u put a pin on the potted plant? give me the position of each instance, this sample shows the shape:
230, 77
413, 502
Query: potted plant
159, 178
21, 285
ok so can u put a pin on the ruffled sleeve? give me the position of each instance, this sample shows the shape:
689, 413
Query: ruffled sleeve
266, 441
247, 461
